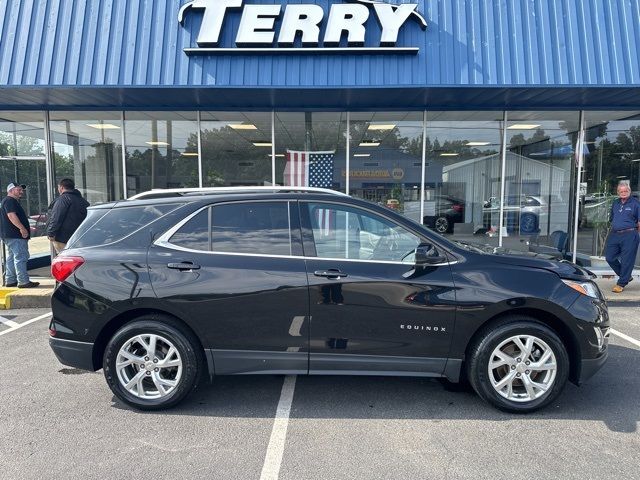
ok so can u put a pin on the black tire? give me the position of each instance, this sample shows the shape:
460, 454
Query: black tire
188, 353
481, 352
442, 225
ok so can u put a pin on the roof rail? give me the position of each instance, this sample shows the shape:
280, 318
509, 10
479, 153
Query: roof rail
174, 192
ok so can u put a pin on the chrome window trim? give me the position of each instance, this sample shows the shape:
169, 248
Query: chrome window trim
163, 240
171, 246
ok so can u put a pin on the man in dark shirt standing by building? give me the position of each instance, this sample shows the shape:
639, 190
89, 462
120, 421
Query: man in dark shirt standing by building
622, 243
14, 226
66, 215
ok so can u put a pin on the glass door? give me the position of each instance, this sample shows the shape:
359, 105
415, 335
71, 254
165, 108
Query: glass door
23, 161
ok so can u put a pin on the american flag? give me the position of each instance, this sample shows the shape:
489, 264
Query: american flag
309, 169
312, 169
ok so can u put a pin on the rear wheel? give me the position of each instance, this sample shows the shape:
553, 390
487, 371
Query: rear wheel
518, 366
152, 363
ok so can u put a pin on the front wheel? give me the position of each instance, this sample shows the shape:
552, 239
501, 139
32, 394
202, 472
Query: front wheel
152, 363
519, 366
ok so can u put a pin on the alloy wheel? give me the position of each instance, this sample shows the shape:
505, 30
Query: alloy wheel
442, 225
149, 366
522, 368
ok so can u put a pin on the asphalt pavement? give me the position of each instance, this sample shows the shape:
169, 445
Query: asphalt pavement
58, 422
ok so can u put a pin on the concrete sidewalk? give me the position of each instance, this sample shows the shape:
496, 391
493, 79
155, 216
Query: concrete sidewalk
631, 292
39, 297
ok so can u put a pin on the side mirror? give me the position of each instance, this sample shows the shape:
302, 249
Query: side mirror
426, 254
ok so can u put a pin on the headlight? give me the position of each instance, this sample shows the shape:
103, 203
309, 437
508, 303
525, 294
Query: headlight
585, 288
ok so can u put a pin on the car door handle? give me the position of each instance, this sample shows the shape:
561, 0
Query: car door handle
183, 266
331, 273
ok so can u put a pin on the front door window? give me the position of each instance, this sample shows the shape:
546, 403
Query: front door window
343, 232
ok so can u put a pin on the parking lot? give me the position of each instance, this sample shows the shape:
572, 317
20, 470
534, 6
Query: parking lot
58, 422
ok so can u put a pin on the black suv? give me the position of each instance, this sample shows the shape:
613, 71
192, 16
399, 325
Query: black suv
168, 289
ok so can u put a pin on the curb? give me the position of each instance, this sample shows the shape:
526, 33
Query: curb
11, 298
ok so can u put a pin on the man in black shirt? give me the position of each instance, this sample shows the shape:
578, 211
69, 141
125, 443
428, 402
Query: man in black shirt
14, 228
68, 212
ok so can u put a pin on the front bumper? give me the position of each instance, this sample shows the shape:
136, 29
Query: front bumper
589, 367
72, 353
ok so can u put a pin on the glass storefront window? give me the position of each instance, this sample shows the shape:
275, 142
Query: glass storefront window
161, 150
87, 147
310, 149
385, 159
236, 148
611, 155
22, 160
539, 181
463, 175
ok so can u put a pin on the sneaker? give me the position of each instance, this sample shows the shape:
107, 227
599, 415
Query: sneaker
29, 285
11, 285
617, 289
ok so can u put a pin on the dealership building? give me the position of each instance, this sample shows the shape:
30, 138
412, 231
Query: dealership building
507, 122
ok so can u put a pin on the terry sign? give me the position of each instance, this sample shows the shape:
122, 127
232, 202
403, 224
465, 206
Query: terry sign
257, 29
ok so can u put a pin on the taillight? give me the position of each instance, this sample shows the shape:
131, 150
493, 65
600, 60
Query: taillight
62, 267
457, 207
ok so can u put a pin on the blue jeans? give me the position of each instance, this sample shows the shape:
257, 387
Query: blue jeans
17, 256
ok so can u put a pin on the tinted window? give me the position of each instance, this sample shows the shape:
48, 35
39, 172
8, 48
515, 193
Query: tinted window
345, 232
116, 224
195, 233
261, 228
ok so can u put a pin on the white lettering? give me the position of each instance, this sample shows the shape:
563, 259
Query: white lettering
346, 17
301, 18
214, 12
391, 18
257, 25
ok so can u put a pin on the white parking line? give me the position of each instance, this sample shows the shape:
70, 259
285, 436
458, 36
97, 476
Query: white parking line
273, 459
8, 323
23, 324
625, 337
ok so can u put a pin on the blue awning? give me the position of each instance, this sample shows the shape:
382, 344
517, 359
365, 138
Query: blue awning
386, 98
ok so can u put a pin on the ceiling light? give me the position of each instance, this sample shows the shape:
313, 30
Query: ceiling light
279, 154
522, 126
449, 154
477, 144
261, 144
381, 126
242, 126
190, 154
370, 144
103, 126
158, 144
361, 154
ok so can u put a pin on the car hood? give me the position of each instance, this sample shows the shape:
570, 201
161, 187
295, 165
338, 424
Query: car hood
562, 268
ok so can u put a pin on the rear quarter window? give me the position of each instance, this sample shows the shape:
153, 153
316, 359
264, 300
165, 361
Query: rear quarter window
107, 226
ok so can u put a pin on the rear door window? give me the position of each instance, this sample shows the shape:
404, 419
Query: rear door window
245, 227
261, 228
194, 234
